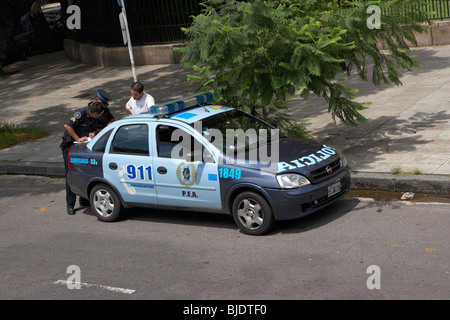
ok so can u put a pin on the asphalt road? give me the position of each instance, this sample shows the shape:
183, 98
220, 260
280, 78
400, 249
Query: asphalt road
356, 249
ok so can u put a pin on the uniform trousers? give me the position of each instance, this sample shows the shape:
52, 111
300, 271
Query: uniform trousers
70, 196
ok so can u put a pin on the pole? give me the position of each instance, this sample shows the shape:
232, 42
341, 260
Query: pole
130, 48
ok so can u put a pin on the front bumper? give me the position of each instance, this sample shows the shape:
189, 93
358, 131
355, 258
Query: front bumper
290, 204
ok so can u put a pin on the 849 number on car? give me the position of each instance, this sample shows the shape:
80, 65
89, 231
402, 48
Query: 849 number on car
230, 173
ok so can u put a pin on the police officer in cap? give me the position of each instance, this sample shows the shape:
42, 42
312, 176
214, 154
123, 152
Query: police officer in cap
80, 127
104, 97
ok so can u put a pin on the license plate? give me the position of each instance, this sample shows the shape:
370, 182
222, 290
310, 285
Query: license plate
334, 188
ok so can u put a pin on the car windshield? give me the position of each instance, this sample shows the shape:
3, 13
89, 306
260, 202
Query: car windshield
235, 129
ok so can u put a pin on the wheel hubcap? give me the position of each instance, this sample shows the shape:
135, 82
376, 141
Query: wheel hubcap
103, 203
250, 214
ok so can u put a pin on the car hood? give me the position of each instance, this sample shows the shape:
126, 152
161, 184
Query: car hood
289, 154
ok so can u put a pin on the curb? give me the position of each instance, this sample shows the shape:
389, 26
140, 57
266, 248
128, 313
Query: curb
425, 183
32, 168
438, 184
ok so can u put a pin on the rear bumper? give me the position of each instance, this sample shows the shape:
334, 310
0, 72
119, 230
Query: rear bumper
296, 203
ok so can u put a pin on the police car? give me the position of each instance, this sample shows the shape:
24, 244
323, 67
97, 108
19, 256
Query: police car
194, 155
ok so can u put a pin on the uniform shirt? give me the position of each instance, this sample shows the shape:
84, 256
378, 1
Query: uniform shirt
141, 105
105, 118
81, 123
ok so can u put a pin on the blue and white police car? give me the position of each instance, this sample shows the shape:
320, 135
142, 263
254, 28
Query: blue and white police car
194, 155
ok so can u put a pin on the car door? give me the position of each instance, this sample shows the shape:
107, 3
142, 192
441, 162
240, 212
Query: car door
128, 164
180, 180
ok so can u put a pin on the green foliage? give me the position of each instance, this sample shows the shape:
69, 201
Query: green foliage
398, 171
296, 129
12, 134
256, 54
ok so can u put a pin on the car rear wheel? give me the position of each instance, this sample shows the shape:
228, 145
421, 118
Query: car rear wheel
252, 214
105, 203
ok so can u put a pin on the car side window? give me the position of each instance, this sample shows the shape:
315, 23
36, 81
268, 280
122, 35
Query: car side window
176, 143
164, 142
131, 139
100, 145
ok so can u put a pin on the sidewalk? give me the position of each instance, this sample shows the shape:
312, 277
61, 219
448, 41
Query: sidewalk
409, 126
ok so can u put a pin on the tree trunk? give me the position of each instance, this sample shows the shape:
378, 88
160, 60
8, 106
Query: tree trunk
45, 38
10, 13
64, 4
6, 31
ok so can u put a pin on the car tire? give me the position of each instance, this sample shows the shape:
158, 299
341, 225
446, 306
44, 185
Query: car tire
252, 213
105, 203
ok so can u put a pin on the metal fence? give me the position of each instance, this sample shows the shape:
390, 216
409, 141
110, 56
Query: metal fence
438, 9
149, 21
433, 9
160, 21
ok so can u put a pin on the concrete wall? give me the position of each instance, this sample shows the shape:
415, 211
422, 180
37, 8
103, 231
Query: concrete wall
119, 56
438, 34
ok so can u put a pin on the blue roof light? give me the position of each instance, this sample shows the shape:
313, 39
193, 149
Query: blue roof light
204, 98
179, 105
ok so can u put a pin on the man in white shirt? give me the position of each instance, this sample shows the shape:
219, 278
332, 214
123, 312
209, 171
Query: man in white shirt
140, 101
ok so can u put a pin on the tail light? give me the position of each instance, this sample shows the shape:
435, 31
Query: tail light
68, 159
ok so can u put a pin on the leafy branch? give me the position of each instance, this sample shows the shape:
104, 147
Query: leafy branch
256, 54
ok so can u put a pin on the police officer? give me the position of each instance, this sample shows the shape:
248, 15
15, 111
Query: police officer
107, 117
80, 127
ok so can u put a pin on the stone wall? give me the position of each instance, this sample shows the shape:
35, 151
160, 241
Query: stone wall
119, 56
438, 34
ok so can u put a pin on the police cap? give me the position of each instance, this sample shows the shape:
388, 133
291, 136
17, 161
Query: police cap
103, 95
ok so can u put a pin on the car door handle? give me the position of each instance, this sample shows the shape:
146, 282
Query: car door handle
113, 166
162, 170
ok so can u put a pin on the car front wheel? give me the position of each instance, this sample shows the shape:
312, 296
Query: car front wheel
252, 214
105, 203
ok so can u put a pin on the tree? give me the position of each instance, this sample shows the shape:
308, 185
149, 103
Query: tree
46, 39
255, 54
11, 11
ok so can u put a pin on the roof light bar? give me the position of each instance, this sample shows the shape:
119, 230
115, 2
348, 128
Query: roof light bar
179, 105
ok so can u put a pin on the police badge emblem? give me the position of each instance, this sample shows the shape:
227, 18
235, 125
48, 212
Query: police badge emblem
186, 174
76, 116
